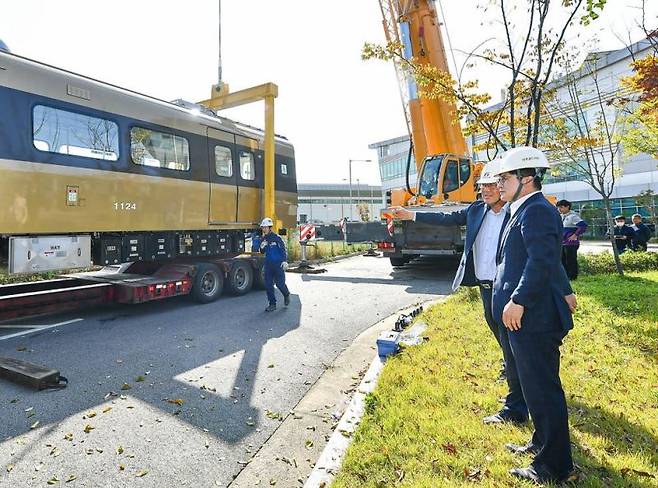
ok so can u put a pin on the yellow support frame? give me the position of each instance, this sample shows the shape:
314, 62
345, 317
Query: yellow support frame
221, 99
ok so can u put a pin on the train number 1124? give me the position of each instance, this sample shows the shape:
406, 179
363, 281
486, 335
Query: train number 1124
127, 206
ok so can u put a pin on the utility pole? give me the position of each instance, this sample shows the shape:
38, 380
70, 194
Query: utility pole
350, 171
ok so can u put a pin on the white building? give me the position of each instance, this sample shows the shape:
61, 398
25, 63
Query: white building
329, 203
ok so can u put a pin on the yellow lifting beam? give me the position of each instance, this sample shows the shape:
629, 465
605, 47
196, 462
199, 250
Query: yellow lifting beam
221, 99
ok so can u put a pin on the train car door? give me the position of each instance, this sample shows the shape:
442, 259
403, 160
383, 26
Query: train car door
223, 202
250, 176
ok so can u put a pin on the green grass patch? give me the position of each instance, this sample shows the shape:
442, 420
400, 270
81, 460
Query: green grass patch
322, 249
605, 262
423, 424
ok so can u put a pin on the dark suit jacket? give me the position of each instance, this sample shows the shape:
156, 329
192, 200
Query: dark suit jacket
529, 269
472, 217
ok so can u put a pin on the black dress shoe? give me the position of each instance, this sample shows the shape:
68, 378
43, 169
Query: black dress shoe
518, 449
505, 417
540, 477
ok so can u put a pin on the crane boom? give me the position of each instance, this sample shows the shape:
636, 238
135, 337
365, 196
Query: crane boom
414, 24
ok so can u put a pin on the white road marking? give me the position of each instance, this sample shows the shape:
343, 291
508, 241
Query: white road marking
34, 328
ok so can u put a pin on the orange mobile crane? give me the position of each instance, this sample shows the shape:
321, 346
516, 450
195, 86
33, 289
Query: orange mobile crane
446, 174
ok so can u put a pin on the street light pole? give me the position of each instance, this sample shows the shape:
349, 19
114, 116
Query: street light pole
350, 171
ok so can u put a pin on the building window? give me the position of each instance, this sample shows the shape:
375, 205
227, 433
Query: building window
159, 149
63, 132
223, 161
247, 166
284, 169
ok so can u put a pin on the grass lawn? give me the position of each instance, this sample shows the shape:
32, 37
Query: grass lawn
423, 424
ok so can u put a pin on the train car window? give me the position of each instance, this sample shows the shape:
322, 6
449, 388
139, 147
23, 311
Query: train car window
284, 169
64, 132
223, 161
159, 149
247, 166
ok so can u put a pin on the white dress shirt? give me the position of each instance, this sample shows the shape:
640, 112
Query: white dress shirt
486, 245
516, 204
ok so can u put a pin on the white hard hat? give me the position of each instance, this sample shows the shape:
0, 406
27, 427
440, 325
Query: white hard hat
267, 222
522, 157
488, 174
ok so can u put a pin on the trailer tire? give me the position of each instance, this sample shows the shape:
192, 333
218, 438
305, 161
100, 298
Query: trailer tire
208, 283
259, 276
397, 262
240, 278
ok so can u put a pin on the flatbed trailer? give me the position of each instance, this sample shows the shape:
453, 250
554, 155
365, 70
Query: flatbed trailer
133, 283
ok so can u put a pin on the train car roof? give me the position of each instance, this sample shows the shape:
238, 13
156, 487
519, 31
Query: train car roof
189, 112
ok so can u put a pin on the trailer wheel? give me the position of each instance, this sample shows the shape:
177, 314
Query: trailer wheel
240, 278
398, 262
259, 276
208, 283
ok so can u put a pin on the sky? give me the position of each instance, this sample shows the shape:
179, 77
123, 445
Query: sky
331, 104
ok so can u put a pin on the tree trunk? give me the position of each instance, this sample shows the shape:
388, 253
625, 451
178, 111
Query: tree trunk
611, 234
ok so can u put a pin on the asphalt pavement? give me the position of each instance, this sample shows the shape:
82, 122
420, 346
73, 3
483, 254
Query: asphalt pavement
180, 394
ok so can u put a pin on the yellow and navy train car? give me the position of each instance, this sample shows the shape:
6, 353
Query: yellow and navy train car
91, 169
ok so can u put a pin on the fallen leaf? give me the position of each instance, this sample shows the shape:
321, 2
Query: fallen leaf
54, 480
90, 415
13, 400
71, 478
34, 425
308, 444
88, 428
68, 437
120, 450
10, 467
250, 423
272, 482
29, 409
21, 349
107, 409
99, 450
121, 467
126, 386
270, 366
177, 401
141, 474
625, 471
139, 378
449, 448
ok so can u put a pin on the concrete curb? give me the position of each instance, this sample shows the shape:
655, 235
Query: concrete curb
289, 456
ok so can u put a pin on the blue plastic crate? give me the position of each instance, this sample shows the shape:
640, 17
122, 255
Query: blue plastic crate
388, 343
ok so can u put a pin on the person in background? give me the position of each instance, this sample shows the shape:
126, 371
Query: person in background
574, 227
642, 234
276, 264
623, 234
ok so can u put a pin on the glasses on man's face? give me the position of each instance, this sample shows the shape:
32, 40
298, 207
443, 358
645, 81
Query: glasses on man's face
502, 179
489, 186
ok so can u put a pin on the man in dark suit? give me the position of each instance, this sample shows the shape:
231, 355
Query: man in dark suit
528, 298
484, 220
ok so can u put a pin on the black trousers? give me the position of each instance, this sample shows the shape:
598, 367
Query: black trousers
485, 295
570, 261
514, 401
537, 359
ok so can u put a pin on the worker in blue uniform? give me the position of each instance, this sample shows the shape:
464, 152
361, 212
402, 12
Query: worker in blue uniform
528, 298
276, 264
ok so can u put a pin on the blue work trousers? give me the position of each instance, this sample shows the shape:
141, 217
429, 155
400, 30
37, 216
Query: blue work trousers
275, 275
